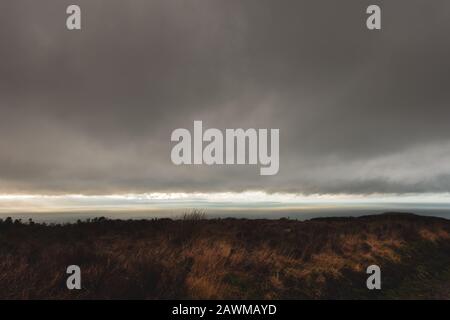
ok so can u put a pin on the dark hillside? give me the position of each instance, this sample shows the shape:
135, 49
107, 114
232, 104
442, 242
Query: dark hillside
228, 258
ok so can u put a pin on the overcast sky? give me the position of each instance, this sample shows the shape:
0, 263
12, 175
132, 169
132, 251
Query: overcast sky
92, 111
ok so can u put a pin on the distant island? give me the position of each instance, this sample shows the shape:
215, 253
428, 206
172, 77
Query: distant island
198, 258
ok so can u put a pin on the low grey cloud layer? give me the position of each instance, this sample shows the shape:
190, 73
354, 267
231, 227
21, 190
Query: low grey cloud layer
92, 111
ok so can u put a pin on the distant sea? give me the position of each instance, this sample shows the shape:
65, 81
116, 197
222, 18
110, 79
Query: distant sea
226, 210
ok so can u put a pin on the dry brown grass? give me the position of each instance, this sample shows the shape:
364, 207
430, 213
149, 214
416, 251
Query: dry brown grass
213, 259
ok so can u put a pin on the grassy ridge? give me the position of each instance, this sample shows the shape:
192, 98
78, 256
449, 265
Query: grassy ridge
228, 258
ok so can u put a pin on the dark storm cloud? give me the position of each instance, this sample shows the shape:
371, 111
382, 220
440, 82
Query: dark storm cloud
92, 111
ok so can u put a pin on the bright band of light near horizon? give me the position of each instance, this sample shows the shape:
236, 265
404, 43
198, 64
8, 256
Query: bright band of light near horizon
243, 200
